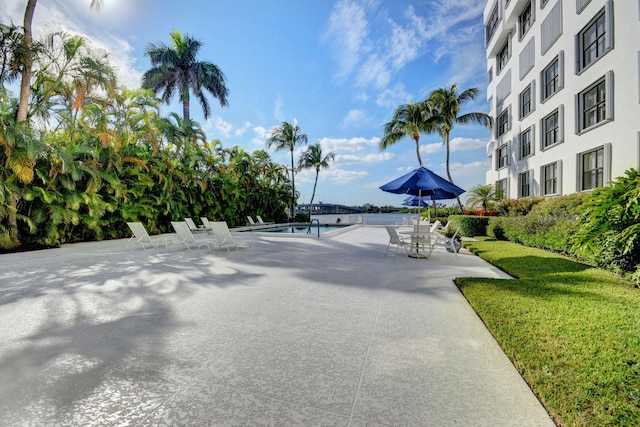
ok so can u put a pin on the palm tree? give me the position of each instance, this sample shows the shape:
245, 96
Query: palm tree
176, 68
409, 120
481, 195
447, 103
27, 58
312, 158
287, 136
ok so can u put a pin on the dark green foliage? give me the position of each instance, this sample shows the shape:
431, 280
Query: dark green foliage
470, 225
517, 207
608, 227
549, 225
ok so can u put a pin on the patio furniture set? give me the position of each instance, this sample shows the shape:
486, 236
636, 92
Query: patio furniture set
424, 238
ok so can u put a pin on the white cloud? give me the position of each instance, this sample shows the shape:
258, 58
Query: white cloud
241, 130
344, 176
348, 31
347, 159
392, 97
372, 59
356, 118
338, 145
277, 109
221, 125
463, 144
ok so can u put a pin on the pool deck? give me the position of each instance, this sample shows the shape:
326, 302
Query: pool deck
308, 332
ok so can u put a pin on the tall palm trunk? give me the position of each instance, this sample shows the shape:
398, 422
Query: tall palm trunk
23, 103
417, 139
313, 194
446, 140
293, 183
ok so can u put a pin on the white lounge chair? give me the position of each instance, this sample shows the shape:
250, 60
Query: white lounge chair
193, 227
224, 237
185, 237
397, 240
140, 236
448, 243
261, 222
251, 221
206, 223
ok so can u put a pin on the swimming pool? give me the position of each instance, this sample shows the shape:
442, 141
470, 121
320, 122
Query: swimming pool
300, 229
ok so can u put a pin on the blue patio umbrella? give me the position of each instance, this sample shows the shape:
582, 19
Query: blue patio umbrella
423, 183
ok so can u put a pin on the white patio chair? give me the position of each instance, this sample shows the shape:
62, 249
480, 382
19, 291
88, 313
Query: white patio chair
185, 237
207, 224
193, 227
261, 222
140, 236
448, 243
397, 240
224, 237
251, 221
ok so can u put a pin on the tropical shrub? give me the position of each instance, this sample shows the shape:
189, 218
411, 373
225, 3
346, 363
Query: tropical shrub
517, 207
549, 225
608, 227
470, 225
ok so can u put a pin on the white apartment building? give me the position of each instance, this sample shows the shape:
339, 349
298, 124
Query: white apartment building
564, 90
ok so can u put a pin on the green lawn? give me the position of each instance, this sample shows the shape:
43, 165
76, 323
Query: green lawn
572, 331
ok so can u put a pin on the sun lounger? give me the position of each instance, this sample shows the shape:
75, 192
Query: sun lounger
193, 227
224, 237
261, 222
251, 221
185, 237
207, 224
140, 236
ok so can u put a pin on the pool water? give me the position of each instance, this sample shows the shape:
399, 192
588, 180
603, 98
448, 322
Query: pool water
298, 229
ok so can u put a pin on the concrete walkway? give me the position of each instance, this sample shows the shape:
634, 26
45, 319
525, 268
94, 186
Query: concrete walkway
305, 332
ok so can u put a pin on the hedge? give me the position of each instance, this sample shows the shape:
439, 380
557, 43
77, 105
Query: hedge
470, 225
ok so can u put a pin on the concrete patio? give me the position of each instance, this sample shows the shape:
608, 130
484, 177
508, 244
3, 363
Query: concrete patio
307, 332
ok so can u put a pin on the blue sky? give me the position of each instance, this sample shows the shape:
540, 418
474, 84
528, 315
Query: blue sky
339, 68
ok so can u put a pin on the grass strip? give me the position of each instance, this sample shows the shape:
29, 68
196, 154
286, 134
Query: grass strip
573, 331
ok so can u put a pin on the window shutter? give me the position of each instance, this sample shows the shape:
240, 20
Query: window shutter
581, 4
560, 123
606, 173
608, 12
516, 146
533, 139
527, 58
609, 89
578, 103
551, 27
559, 179
509, 117
509, 152
533, 95
561, 69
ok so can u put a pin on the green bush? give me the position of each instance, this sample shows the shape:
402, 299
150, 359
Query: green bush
549, 225
517, 207
608, 227
470, 225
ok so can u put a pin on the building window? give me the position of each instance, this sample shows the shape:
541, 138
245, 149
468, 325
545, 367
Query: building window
501, 189
550, 182
525, 20
550, 129
492, 23
526, 147
552, 80
524, 184
503, 57
594, 103
526, 104
592, 169
502, 154
502, 123
593, 40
